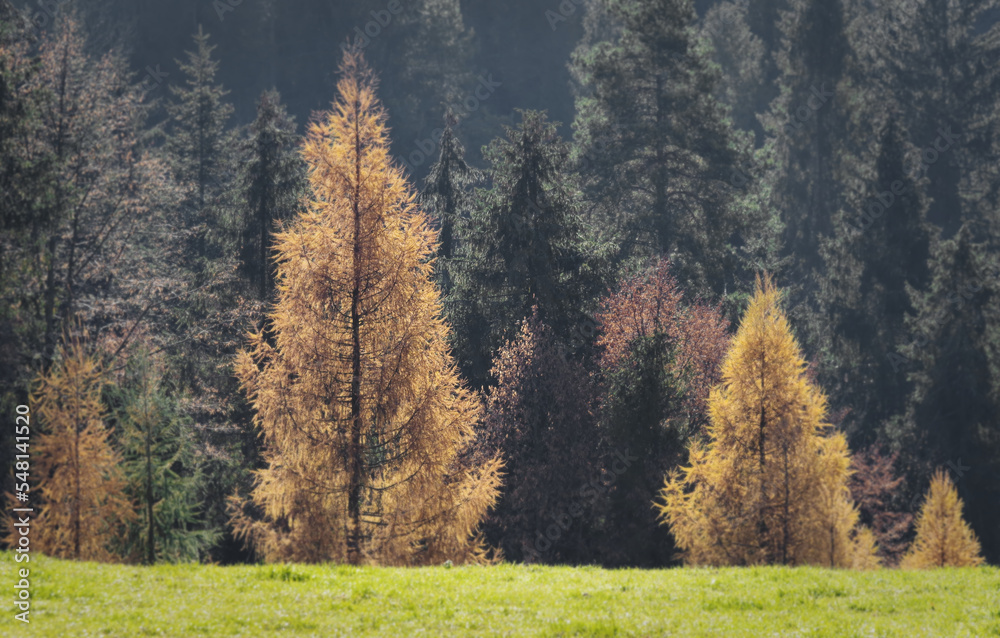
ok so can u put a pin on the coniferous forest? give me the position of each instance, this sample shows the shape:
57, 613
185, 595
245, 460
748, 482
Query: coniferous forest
625, 283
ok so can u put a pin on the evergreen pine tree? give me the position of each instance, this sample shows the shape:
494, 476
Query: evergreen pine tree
212, 312
159, 466
808, 123
523, 247
431, 66
197, 138
270, 181
871, 261
741, 57
447, 196
652, 141
942, 60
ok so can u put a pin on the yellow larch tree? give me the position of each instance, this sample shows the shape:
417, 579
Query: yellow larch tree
770, 483
83, 509
943, 539
368, 429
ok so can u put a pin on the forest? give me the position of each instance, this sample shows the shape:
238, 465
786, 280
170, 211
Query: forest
626, 283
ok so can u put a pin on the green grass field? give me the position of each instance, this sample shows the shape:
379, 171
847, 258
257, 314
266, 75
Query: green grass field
73, 600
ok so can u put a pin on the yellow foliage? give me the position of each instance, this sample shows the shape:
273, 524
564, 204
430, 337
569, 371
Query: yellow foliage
770, 484
865, 550
366, 423
943, 539
83, 507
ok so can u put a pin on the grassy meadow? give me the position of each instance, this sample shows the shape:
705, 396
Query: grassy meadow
77, 600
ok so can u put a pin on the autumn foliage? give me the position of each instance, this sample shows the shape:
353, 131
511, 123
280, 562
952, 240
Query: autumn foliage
540, 418
874, 482
943, 539
770, 484
79, 473
653, 303
659, 355
366, 424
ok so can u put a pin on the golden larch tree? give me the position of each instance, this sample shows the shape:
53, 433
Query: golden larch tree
368, 428
770, 483
83, 509
943, 539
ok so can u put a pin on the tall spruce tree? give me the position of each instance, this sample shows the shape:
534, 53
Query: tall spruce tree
807, 121
742, 59
942, 58
213, 311
524, 246
271, 178
874, 259
197, 137
447, 196
431, 65
653, 143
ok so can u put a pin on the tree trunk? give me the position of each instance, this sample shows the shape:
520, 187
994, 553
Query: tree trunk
761, 523
77, 496
50, 303
354, 448
784, 529
150, 537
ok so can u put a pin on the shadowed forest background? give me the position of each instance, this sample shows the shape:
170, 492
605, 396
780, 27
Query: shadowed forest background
601, 193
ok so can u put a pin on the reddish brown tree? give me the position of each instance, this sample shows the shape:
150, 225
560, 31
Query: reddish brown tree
873, 483
652, 303
659, 357
540, 419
